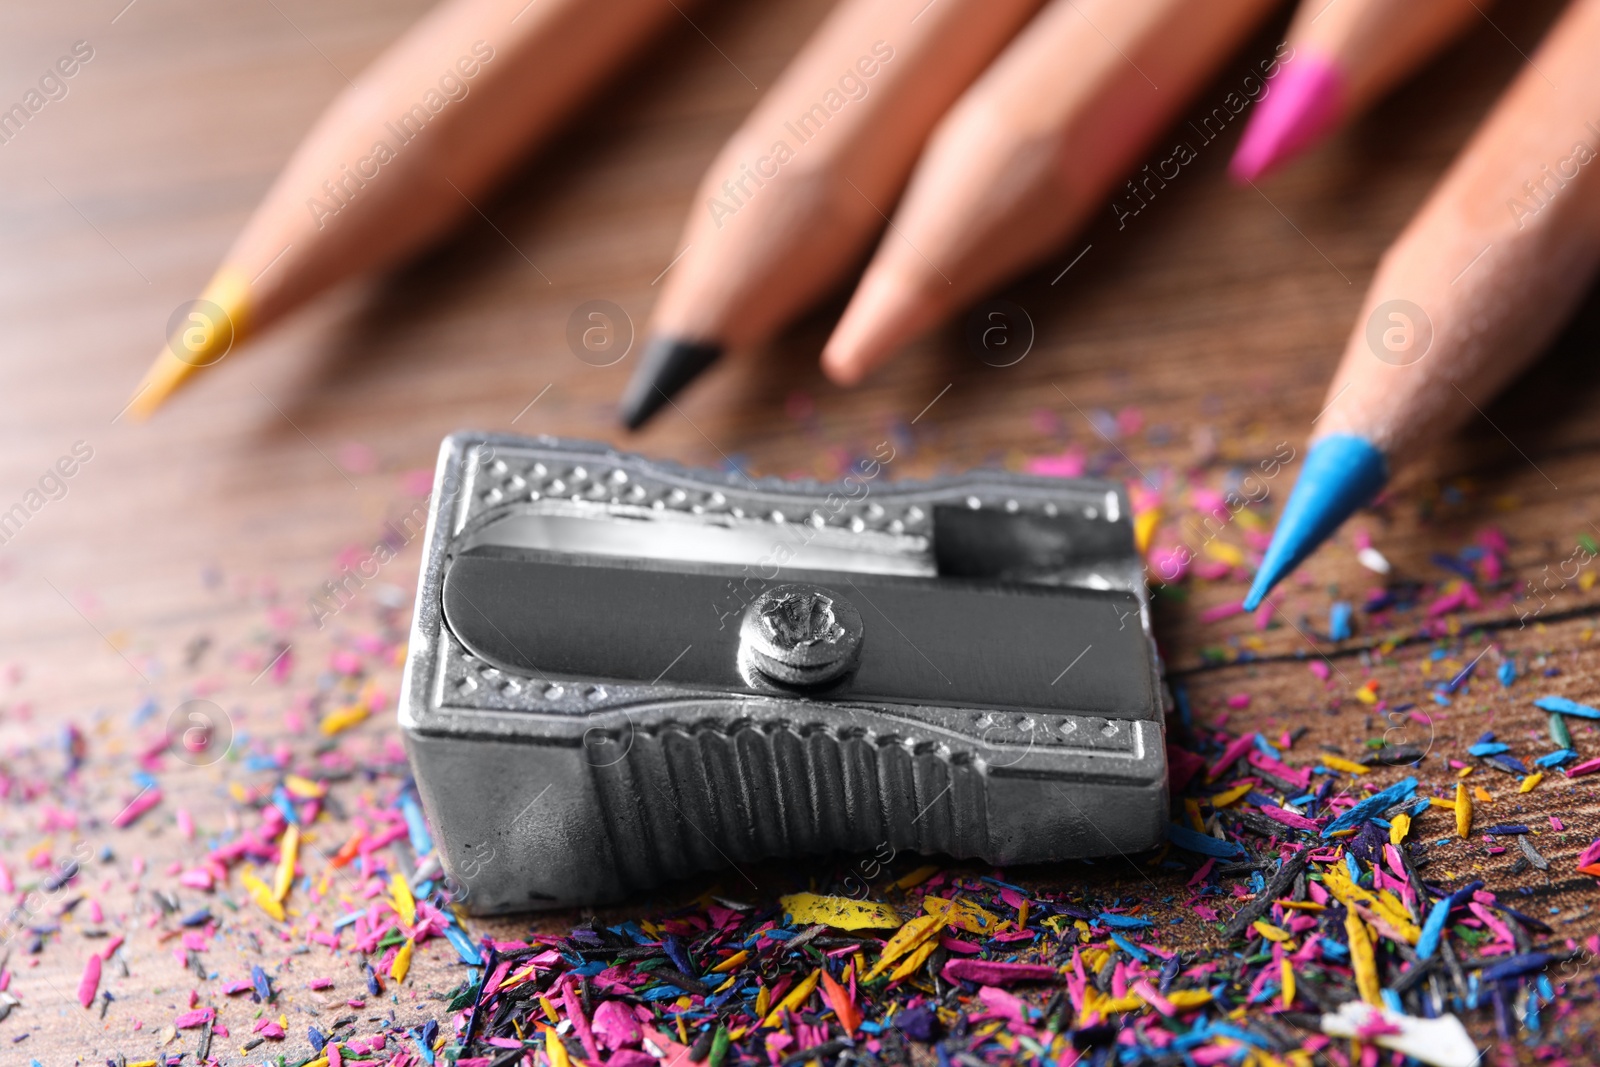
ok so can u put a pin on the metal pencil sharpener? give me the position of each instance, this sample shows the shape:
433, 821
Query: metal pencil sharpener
623, 672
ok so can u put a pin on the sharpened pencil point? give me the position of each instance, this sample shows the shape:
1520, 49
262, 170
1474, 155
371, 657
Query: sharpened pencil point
668, 365
1341, 473
1302, 102
887, 310
203, 331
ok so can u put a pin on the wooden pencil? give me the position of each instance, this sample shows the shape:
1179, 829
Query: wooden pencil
1342, 56
801, 189
402, 154
1479, 282
1036, 147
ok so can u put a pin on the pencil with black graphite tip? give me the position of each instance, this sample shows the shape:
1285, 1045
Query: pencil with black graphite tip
797, 195
1481, 279
1341, 57
399, 156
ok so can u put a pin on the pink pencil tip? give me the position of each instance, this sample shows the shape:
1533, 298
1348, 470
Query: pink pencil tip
1302, 102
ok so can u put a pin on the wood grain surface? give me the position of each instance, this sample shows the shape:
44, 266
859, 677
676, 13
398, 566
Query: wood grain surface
1216, 312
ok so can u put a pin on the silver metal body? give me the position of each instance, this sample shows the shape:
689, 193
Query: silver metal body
623, 672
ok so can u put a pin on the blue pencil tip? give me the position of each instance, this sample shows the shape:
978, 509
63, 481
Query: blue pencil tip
1341, 473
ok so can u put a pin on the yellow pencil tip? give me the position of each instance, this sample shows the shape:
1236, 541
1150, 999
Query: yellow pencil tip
163, 378
200, 333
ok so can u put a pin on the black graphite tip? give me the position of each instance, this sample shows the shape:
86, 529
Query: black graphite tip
667, 366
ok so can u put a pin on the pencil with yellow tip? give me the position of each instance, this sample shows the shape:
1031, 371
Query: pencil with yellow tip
1341, 57
398, 157
1479, 282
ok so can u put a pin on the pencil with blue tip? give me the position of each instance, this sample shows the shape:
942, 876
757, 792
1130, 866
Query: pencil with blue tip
1343, 56
1480, 281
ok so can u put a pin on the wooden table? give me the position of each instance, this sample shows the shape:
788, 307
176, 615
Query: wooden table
1216, 315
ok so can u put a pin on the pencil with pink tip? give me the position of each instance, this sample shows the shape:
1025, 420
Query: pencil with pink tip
1346, 54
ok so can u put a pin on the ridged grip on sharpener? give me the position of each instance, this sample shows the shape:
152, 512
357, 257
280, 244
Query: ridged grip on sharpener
690, 798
